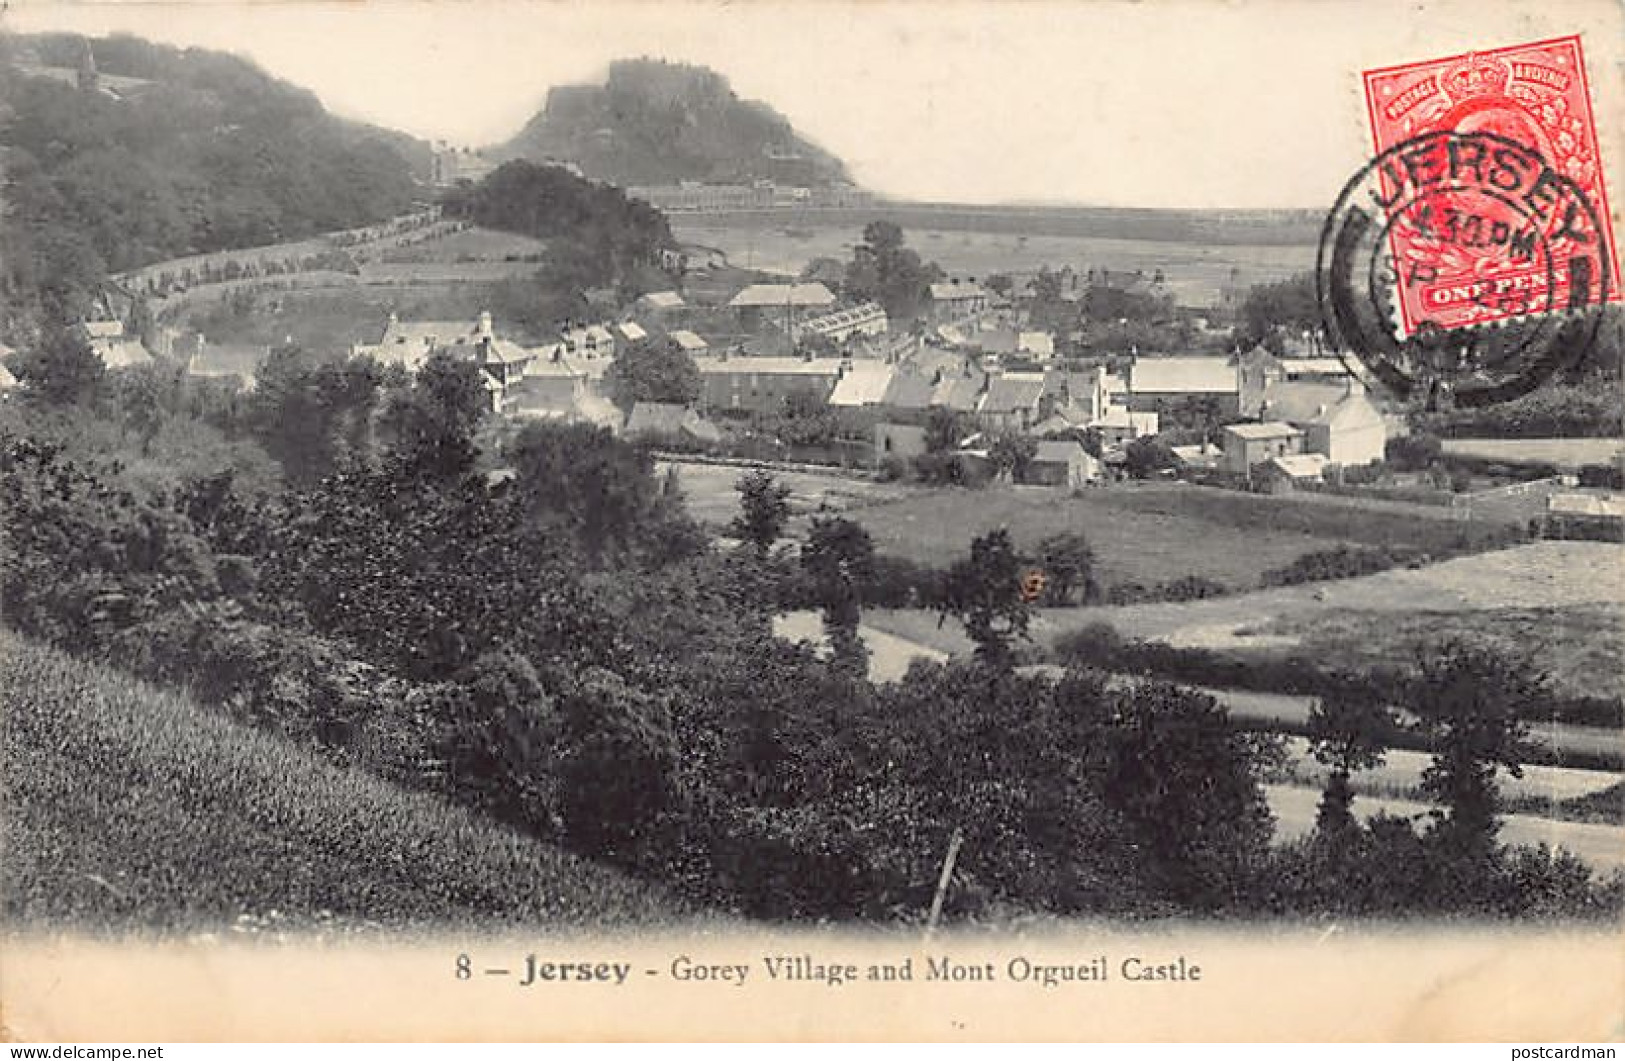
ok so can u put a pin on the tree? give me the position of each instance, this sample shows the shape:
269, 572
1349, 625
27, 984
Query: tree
62, 369
764, 506
435, 420
885, 271
839, 557
651, 372
1470, 700
984, 592
943, 430
600, 490
1186, 779
1346, 734
1147, 455
1283, 306
1012, 454
1068, 564
309, 414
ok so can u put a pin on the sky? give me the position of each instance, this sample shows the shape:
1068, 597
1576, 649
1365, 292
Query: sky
1182, 103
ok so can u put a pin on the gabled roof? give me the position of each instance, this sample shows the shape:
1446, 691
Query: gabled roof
908, 389
1256, 432
1011, 392
1183, 375
1301, 465
1060, 451
663, 418
1298, 403
865, 383
1054, 424
1040, 343
632, 331
657, 417
425, 333
663, 300
104, 329
688, 340
783, 295
7, 380
1353, 409
957, 392
121, 353
1313, 366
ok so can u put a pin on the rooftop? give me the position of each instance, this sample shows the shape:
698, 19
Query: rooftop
774, 366
783, 295
1183, 375
1255, 432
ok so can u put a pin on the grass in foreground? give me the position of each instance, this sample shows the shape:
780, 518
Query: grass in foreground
124, 807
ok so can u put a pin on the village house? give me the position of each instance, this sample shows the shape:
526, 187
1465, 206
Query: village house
8, 381
1247, 445
1063, 463
762, 384
1040, 346
1338, 419
1164, 384
910, 388
862, 384
688, 342
956, 300
660, 304
409, 343
1119, 426
116, 349
1014, 401
595, 341
1281, 474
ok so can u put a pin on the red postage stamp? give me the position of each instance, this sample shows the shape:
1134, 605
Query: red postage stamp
1495, 157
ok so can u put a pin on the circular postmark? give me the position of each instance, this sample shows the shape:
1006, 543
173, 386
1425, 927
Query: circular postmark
1462, 263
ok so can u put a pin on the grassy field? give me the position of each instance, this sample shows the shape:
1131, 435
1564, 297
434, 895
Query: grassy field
126, 808
331, 320
1151, 533
710, 494
1559, 602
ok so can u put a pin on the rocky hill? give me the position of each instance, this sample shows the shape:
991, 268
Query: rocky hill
655, 122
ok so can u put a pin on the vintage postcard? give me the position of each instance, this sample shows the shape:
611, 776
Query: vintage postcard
818, 520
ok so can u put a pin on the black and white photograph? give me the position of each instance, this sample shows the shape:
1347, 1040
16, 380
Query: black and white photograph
703, 512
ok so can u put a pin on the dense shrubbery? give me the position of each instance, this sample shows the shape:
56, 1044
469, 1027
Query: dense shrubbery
1342, 561
1554, 411
1186, 588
